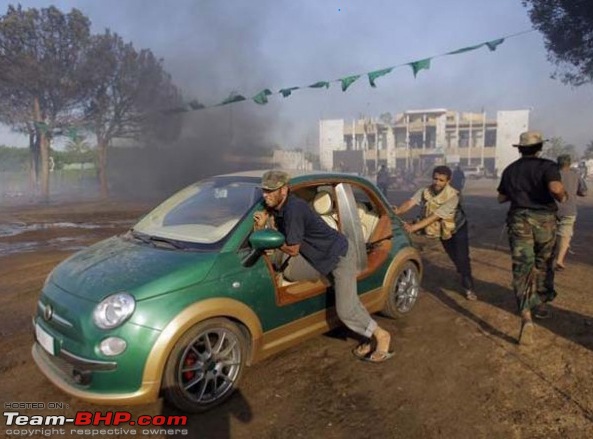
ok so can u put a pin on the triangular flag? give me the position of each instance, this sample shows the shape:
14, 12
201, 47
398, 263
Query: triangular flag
423, 64
320, 84
233, 97
347, 82
492, 45
465, 49
262, 97
288, 91
376, 74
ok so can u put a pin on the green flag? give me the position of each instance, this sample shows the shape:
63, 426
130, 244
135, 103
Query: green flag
320, 84
465, 49
423, 64
492, 45
262, 97
376, 74
233, 97
347, 82
288, 91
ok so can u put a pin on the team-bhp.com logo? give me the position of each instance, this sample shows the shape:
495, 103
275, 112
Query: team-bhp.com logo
92, 420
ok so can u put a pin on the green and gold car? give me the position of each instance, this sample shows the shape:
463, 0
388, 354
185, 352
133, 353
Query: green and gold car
183, 301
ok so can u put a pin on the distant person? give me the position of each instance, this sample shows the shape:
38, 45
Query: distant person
458, 178
566, 216
383, 179
443, 218
583, 169
532, 185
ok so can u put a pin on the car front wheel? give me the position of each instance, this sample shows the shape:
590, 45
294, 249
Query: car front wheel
403, 290
205, 365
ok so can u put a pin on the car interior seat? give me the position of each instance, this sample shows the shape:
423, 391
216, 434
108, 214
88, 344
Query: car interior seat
324, 206
368, 219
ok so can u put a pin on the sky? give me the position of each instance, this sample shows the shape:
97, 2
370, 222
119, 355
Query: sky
214, 47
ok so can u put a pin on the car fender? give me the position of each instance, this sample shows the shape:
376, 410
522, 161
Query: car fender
403, 256
190, 316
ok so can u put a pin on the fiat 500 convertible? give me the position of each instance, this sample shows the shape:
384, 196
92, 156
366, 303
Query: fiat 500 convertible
180, 304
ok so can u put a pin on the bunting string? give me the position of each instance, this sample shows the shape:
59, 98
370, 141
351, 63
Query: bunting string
261, 98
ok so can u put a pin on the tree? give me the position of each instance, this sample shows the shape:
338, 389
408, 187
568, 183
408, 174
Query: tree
556, 147
129, 93
41, 53
386, 118
567, 26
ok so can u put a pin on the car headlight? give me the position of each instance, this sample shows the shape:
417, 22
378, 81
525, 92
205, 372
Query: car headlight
114, 310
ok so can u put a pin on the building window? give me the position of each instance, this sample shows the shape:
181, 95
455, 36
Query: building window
490, 138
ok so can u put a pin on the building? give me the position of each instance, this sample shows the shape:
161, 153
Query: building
419, 139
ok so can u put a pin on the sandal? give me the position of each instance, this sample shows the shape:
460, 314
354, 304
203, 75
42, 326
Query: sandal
362, 351
470, 295
379, 356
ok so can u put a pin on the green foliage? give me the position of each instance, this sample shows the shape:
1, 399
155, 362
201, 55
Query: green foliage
70, 157
42, 58
386, 118
13, 159
129, 90
567, 26
81, 83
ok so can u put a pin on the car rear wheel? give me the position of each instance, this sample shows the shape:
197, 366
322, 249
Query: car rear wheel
205, 365
403, 290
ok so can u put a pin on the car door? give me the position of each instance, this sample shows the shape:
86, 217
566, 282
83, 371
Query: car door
351, 224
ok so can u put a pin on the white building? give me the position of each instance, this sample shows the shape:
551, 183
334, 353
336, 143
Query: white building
510, 125
419, 139
331, 138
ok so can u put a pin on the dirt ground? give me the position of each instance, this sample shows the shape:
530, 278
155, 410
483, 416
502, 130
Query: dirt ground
458, 372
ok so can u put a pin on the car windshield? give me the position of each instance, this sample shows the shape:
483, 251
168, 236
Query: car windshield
203, 213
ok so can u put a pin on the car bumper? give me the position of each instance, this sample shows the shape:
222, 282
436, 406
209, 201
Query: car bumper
71, 374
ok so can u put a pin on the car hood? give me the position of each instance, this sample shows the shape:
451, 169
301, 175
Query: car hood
116, 265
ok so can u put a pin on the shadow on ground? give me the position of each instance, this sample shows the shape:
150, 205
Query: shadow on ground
570, 325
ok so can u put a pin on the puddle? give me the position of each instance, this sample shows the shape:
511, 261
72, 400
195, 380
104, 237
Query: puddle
16, 228
64, 244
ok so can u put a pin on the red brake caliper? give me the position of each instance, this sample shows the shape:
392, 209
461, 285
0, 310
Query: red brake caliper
189, 361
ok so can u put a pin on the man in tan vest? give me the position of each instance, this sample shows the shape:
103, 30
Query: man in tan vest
443, 218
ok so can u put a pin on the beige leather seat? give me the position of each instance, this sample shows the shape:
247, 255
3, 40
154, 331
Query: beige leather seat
368, 219
324, 206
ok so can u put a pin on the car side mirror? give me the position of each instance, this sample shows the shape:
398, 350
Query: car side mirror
260, 241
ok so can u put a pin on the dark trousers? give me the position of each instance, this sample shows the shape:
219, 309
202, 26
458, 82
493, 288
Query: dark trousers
457, 247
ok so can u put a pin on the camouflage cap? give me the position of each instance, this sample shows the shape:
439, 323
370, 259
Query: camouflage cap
530, 138
273, 180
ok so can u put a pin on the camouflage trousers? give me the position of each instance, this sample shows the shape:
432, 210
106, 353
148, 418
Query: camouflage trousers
532, 237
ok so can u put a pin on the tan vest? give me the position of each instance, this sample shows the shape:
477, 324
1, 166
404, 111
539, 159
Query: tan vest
444, 227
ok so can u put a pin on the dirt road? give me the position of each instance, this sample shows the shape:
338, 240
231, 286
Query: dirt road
458, 372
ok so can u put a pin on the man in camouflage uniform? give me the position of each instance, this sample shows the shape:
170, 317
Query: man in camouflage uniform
532, 185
